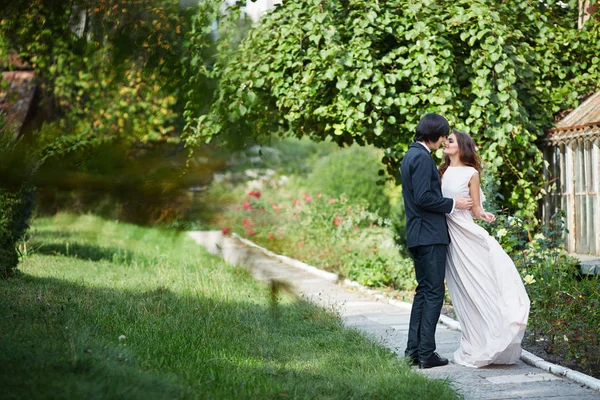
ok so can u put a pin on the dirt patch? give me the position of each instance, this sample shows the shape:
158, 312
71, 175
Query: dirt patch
541, 348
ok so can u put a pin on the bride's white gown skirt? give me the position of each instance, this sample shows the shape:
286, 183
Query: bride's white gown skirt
487, 293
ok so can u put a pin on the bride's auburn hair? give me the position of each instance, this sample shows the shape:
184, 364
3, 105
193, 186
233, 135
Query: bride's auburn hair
467, 151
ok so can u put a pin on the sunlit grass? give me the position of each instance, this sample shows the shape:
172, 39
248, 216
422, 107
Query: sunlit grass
110, 310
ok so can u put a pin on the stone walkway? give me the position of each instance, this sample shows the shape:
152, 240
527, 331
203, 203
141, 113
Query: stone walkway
388, 324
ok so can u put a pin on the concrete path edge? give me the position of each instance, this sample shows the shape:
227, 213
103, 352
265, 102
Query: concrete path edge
526, 356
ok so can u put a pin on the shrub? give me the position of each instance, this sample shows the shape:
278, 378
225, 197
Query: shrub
380, 271
398, 225
16, 206
8, 254
353, 171
17, 165
313, 227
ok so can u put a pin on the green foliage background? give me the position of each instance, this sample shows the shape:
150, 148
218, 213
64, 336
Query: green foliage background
365, 72
354, 172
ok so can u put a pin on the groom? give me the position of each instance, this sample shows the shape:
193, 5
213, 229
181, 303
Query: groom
427, 236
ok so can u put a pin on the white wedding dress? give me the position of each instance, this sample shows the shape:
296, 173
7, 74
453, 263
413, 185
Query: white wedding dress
487, 293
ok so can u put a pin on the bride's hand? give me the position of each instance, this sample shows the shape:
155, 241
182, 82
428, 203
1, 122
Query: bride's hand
488, 217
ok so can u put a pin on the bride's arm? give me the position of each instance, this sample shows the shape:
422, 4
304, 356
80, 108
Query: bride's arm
474, 191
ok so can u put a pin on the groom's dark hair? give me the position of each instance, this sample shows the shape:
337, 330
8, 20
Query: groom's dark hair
432, 127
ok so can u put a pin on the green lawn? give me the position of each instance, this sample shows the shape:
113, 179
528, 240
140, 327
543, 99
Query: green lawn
109, 310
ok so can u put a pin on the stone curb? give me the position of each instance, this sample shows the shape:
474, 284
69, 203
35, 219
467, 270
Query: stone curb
526, 356
330, 276
576, 376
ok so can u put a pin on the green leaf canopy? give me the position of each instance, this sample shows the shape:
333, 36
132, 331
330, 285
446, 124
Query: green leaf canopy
366, 72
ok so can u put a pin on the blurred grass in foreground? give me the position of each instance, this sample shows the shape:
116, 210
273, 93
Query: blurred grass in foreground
111, 310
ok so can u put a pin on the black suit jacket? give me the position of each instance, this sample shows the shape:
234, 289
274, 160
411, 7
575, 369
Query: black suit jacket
423, 200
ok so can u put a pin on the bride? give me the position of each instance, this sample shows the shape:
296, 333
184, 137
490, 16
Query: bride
488, 295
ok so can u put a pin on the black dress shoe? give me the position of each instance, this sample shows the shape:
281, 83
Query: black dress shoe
433, 360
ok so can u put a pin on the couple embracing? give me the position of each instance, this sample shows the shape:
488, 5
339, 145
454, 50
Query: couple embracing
487, 293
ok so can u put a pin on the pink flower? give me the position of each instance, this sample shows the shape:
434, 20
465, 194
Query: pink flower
318, 195
296, 202
271, 236
301, 244
250, 232
247, 205
226, 231
276, 207
337, 221
246, 222
307, 198
332, 201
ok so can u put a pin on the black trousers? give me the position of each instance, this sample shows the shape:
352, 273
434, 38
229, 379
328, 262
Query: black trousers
430, 270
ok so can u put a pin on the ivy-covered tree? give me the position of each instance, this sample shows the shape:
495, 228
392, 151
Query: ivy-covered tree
366, 72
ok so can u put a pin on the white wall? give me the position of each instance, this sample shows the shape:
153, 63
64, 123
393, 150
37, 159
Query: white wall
253, 9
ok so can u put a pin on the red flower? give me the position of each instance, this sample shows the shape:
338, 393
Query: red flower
318, 195
271, 236
276, 207
301, 244
296, 202
247, 205
254, 194
246, 222
226, 231
337, 221
332, 201
250, 232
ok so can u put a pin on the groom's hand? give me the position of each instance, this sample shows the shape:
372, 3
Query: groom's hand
463, 202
